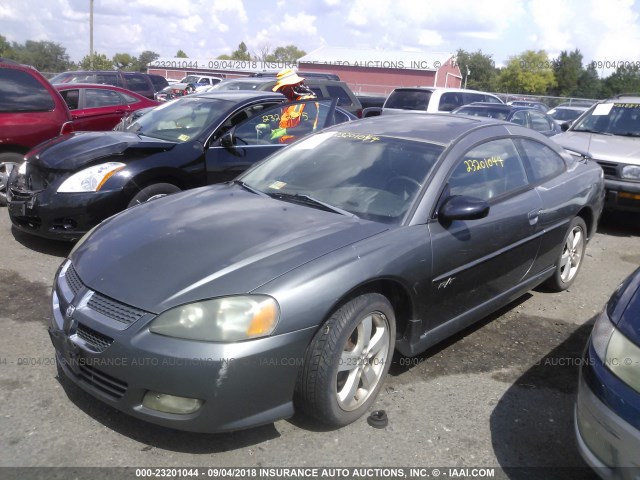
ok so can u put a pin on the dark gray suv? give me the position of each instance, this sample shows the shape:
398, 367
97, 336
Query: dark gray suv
136, 82
323, 88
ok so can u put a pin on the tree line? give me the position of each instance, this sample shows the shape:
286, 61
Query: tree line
533, 73
530, 72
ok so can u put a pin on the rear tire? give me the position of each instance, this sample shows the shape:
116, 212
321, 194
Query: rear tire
570, 259
8, 161
153, 192
347, 361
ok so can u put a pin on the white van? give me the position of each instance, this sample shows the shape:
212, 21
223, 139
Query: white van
432, 99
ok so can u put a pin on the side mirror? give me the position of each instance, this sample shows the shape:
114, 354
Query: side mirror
227, 140
565, 126
460, 207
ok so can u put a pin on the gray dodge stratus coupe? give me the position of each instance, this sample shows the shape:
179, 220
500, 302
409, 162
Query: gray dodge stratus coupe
223, 307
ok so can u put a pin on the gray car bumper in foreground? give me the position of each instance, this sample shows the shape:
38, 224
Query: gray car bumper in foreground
234, 385
606, 442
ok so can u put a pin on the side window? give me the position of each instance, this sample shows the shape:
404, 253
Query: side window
137, 83
339, 93
317, 91
491, 99
71, 98
539, 122
20, 92
282, 124
520, 118
95, 98
129, 99
205, 81
105, 79
487, 171
544, 162
450, 101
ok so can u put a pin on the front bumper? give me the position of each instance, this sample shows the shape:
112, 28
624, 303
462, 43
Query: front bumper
622, 195
607, 442
106, 349
61, 216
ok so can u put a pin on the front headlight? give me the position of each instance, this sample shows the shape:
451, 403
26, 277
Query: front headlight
90, 179
227, 319
631, 172
623, 359
22, 169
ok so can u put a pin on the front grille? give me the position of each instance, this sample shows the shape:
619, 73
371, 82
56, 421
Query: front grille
609, 169
73, 280
107, 384
99, 341
115, 310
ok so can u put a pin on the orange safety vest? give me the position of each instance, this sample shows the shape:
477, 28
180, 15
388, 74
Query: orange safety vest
291, 118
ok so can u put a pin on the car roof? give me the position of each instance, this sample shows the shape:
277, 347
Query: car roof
498, 106
439, 128
442, 89
238, 95
627, 97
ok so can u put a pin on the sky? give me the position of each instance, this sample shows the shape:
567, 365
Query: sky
604, 31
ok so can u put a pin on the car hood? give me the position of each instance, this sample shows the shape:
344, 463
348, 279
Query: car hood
609, 148
205, 243
73, 151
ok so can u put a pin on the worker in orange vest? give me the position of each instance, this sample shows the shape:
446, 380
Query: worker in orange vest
294, 119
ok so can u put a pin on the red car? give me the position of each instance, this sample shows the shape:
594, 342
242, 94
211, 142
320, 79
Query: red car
100, 107
31, 111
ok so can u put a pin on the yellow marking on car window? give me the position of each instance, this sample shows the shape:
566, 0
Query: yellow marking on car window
183, 137
277, 185
626, 105
474, 165
358, 136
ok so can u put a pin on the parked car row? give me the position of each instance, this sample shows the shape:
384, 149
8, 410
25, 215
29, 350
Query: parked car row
32, 111
69, 184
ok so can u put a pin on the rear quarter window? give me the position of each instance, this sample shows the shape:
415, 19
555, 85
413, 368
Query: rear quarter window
21, 92
137, 83
339, 93
544, 163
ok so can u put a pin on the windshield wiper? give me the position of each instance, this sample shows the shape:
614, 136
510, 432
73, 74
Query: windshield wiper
249, 188
314, 202
586, 130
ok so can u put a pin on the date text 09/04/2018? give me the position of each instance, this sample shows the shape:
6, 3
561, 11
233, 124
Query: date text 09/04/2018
317, 472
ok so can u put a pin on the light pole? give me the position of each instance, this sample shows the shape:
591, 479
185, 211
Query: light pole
465, 77
91, 35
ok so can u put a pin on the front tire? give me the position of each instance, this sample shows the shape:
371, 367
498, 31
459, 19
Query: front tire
570, 259
347, 360
152, 192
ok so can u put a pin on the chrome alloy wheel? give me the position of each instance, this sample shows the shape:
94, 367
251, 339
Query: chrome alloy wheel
572, 254
362, 362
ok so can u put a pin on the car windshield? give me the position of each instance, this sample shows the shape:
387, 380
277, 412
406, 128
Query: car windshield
181, 120
189, 79
612, 119
373, 177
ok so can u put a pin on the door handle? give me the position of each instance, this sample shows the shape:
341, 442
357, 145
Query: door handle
533, 216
